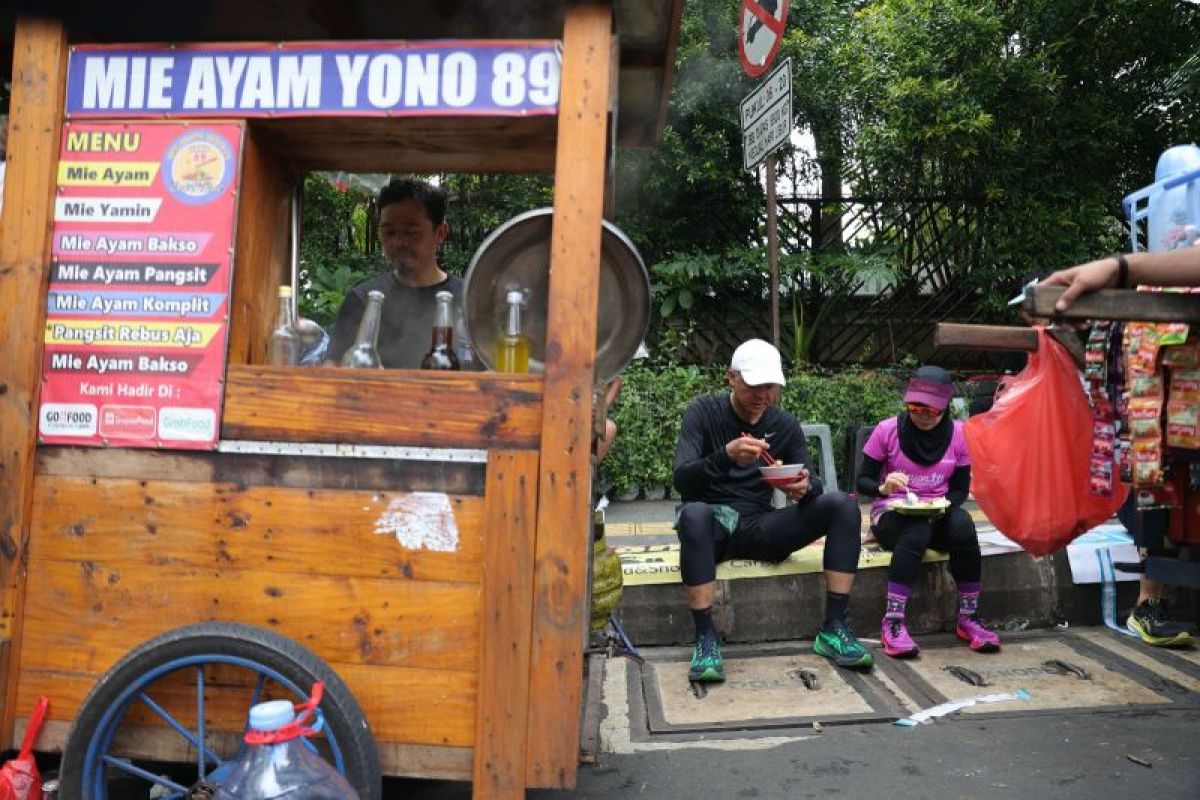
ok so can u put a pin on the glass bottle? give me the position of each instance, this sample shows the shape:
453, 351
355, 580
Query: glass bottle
284, 347
512, 349
441, 350
365, 352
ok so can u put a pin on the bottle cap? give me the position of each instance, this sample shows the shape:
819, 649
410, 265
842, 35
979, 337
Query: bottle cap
373, 293
271, 715
443, 293
514, 296
285, 291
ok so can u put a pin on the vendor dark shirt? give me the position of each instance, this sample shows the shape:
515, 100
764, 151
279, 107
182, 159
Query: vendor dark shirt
406, 329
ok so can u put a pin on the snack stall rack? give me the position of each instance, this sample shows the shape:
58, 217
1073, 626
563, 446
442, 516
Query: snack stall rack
424, 534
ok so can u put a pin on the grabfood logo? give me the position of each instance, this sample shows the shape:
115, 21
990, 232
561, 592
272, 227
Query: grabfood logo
187, 424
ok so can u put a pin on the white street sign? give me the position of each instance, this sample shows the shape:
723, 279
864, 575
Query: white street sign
767, 116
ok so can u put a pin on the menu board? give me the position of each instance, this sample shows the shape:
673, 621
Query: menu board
138, 306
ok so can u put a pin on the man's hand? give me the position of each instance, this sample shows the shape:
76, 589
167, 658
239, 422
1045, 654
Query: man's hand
746, 449
1099, 274
796, 490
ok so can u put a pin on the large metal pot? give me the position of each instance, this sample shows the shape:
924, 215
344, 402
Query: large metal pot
517, 256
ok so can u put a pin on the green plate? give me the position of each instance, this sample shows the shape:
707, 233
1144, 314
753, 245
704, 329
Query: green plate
927, 508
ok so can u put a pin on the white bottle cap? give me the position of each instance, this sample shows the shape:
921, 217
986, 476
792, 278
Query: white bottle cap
514, 296
271, 715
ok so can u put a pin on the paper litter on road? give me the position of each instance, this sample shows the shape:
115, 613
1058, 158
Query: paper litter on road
926, 714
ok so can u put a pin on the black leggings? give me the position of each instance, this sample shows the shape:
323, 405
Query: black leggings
909, 537
770, 536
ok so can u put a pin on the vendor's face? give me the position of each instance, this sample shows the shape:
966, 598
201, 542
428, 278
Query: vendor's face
924, 417
409, 238
750, 402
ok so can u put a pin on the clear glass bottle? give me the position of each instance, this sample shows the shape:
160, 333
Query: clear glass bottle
441, 350
365, 351
512, 349
284, 347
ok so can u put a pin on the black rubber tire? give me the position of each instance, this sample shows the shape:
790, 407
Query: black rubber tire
343, 717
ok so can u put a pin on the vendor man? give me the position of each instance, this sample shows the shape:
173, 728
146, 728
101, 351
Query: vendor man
412, 225
727, 509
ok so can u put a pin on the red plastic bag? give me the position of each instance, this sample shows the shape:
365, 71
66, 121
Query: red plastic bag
19, 777
1031, 453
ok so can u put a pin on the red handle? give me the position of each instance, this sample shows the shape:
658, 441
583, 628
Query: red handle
35, 724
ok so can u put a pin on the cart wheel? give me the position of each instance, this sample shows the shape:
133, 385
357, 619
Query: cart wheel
193, 679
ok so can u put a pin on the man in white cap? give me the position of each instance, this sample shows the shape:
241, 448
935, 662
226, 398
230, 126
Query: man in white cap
727, 510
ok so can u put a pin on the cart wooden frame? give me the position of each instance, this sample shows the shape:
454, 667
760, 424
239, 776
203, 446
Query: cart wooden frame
468, 663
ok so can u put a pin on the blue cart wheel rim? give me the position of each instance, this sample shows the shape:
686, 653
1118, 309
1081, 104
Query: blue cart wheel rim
95, 772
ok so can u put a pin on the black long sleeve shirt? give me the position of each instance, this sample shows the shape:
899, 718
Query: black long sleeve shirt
704, 471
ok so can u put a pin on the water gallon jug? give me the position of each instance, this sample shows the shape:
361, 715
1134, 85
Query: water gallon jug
1171, 205
278, 763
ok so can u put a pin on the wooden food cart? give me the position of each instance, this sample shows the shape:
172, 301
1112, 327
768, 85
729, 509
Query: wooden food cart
464, 657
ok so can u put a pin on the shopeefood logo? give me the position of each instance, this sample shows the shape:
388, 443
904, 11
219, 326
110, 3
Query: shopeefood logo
198, 167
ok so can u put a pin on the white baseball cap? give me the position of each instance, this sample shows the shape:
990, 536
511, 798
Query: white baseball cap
758, 362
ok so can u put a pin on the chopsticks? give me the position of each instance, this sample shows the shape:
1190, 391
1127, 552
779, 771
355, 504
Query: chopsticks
767, 457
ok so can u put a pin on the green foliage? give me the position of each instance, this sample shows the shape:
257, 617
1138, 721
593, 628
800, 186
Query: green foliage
652, 402
478, 204
338, 248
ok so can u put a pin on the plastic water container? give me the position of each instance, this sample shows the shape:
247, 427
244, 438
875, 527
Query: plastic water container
1170, 206
287, 769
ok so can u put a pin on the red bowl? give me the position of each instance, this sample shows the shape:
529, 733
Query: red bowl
779, 483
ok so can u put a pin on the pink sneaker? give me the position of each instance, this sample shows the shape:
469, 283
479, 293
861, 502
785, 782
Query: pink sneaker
896, 641
977, 637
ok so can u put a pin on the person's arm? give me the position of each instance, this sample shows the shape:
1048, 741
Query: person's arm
867, 481
1159, 268
696, 468
960, 486
345, 327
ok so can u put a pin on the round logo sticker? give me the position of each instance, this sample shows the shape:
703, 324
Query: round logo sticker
198, 167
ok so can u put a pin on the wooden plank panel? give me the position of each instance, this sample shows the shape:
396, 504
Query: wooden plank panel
564, 490
83, 616
506, 619
400, 407
149, 525
415, 706
34, 132
419, 144
263, 469
260, 251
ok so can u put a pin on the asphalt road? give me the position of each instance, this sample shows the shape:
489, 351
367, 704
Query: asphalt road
1068, 755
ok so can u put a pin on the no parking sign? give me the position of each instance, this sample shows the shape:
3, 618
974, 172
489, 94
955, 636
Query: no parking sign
760, 31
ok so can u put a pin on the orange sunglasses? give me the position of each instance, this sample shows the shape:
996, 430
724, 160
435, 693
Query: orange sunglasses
922, 410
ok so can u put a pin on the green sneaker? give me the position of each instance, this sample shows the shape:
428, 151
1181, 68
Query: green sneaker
707, 664
839, 644
1149, 621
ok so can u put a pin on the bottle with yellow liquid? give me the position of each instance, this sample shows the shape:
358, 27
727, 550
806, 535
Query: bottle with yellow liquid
512, 349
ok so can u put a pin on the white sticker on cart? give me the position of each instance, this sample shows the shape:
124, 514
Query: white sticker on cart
421, 521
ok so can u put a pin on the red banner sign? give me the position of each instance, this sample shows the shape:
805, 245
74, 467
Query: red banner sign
138, 307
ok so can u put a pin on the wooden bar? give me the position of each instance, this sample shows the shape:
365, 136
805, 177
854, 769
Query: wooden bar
506, 618
560, 615
34, 134
1116, 304
260, 251
387, 407
1002, 337
985, 337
